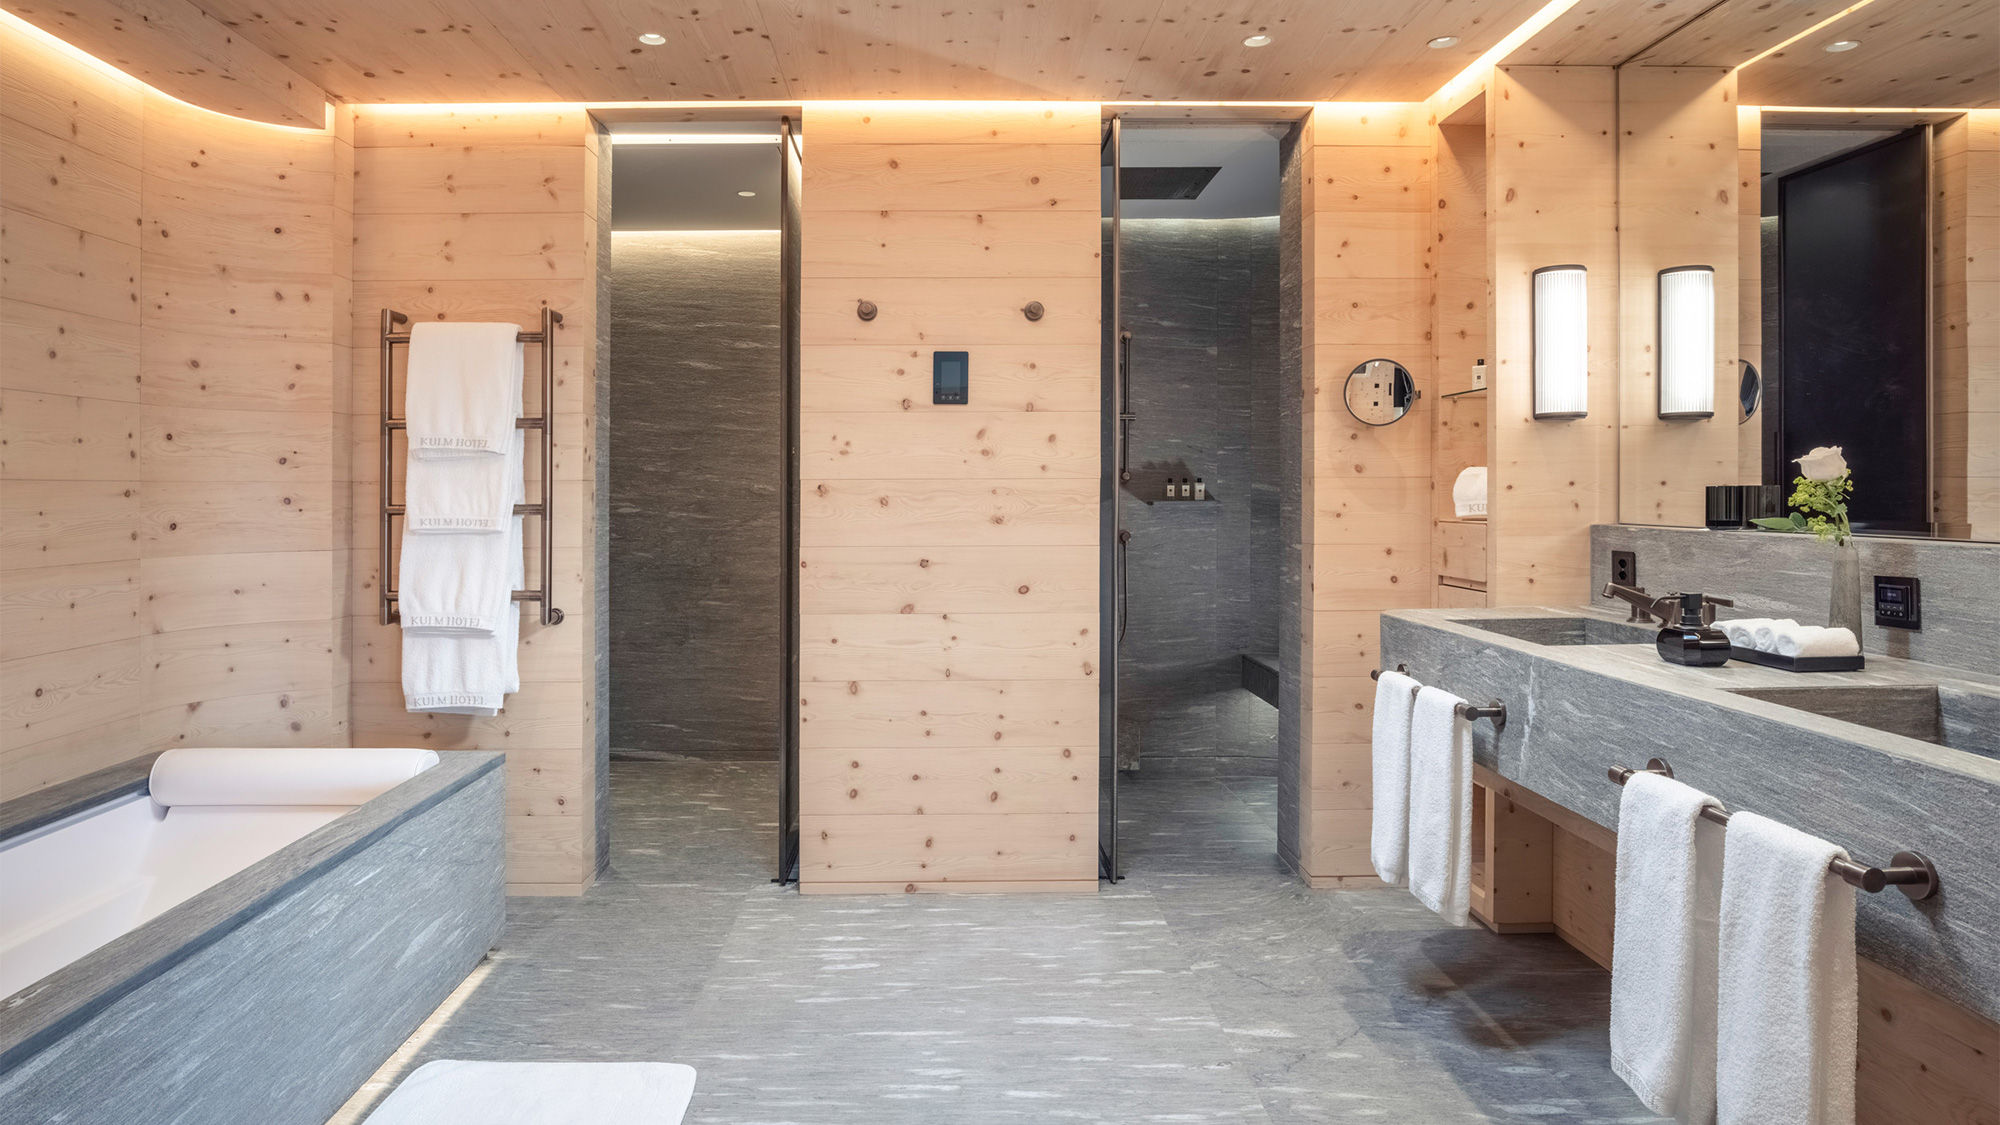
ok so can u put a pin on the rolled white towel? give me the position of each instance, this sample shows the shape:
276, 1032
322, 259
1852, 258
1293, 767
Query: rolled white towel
1742, 633
1817, 640
1765, 636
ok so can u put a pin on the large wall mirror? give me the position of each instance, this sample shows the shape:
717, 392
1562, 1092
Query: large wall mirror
1857, 269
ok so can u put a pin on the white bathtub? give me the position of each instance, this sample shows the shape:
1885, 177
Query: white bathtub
77, 884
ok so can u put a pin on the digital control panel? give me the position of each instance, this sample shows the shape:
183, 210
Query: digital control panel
951, 378
1898, 603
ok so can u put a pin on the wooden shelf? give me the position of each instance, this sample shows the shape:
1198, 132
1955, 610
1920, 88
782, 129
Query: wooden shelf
1463, 393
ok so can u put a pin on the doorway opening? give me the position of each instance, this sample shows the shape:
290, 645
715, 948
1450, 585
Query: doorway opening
1195, 475
701, 444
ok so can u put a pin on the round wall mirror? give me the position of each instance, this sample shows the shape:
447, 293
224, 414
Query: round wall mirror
1380, 391
1749, 391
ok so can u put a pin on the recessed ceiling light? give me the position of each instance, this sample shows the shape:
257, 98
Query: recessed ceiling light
1257, 41
1443, 41
747, 194
1839, 45
652, 39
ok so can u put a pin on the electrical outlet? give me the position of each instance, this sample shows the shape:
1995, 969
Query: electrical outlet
1625, 568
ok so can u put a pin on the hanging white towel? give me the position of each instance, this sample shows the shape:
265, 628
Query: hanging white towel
1669, 892
458, 581
457, 494
468, 673
463, 390
1441, 805
1786, 978
1389, 837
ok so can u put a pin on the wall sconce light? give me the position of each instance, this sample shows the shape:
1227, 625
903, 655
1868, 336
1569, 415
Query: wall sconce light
1687, 342
1562, 342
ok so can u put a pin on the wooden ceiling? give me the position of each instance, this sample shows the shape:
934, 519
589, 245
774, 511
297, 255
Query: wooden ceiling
1912, 52
794, 50
273, 59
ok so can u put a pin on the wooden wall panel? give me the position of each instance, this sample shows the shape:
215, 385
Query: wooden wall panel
487, 216
1749, 286
1370, 257
949, 554
173, 301
1551, 185
1966, 304
1677, 206
1464, 301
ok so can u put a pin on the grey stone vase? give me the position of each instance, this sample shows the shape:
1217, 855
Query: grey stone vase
1844, 608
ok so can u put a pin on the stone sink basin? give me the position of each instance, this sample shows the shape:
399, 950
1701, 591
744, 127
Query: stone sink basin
1566, 630
1942, 716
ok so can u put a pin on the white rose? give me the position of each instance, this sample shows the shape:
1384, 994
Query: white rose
1823, 463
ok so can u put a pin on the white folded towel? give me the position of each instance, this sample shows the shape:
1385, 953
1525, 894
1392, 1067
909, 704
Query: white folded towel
1663, 960
1468, 493
1766, 634
1440, 858
1743, 632
1786, 978
463, 388
1389, 836
468, 673
459, 581
455, 494
1816, 640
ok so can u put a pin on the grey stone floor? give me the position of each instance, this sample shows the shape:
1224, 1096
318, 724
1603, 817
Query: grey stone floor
1206, 987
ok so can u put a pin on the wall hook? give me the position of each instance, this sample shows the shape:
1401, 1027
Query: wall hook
1032, 310
865, 310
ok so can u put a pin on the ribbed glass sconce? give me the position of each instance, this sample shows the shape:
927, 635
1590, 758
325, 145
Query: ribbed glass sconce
1687, 342
1562, 342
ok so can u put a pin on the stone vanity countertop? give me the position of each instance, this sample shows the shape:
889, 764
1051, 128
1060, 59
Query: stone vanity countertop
1575, 710
1640, 663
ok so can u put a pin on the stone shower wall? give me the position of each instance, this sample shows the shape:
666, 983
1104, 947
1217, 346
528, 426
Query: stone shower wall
695, 464
1201, 299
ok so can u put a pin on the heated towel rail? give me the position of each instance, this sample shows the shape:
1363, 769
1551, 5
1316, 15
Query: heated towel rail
1910, 872
546, 424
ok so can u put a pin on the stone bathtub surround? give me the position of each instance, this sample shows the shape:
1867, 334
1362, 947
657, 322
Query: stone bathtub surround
1771, 574
1573, 711
302, 972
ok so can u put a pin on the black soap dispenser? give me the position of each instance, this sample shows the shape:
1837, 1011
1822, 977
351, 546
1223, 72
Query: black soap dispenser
1690, 641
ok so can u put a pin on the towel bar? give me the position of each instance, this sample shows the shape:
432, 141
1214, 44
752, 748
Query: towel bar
1496, 710
546, 424
1910, 872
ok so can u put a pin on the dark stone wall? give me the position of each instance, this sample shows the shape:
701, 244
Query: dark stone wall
1201, 299
1295, 456
696, 459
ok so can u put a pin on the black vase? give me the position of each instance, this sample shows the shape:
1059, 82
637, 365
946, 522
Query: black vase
1725, 506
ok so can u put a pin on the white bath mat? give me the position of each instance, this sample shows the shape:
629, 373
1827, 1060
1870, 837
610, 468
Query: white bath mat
455, 1092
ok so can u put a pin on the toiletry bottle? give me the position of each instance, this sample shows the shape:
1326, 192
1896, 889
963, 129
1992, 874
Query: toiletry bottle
1187, 490
1691, 642
1200, 489
1173, 489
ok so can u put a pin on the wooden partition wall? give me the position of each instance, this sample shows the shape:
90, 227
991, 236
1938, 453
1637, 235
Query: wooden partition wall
479, 215
948, 590
1368, 279
173, 293
1965, 217
1678, 176
1552, 199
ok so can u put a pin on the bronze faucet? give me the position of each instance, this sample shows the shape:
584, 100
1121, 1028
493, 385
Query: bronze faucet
1666, 608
